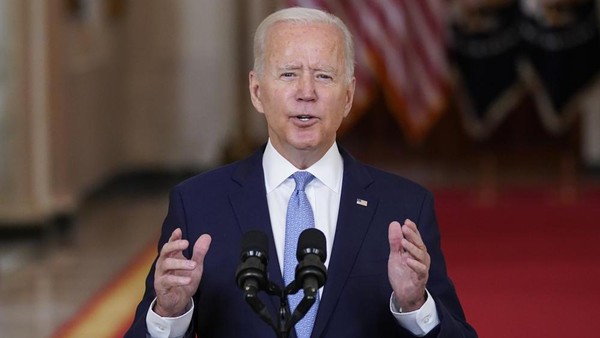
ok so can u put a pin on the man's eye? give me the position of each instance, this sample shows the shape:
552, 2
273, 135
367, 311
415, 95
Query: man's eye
324, 76
288, 74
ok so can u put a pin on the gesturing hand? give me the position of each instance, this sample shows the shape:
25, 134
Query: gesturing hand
176, 278
408, 265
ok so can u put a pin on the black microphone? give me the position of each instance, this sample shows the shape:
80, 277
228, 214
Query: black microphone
251, 274
311, 253
311, 273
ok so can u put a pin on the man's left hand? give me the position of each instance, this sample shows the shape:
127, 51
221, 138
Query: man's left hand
408, 265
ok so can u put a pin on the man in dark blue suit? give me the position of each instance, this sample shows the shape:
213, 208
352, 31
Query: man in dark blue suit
385, 279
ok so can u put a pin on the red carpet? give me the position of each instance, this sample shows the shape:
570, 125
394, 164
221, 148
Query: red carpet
527, 264
524, 265
109, 313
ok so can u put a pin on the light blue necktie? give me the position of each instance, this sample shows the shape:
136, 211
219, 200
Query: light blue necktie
299, 217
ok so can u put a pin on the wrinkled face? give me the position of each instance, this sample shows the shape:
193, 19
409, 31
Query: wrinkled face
303, 90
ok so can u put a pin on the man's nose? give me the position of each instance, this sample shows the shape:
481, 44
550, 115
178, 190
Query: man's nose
306, 88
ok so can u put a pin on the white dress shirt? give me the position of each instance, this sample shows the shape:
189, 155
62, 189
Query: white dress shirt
324, 193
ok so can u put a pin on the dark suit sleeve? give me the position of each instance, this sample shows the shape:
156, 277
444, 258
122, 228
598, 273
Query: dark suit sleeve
452, 318
175, 218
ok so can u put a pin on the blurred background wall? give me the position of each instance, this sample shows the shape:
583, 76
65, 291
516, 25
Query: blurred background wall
90, 89
494, 105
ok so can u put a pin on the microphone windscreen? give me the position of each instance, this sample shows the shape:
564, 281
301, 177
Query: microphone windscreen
312, 241
255, 243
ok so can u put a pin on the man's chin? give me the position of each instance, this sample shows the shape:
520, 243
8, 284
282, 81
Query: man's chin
305, 144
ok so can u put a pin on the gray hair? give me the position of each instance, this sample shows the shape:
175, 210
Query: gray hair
306, 16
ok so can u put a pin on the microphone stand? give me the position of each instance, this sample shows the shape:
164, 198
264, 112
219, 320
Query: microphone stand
284, 323
310, 275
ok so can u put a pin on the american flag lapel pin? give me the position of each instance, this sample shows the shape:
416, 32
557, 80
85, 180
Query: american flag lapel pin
362, 202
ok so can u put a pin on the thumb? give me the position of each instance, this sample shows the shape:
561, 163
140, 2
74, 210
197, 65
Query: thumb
201, 248
395, 237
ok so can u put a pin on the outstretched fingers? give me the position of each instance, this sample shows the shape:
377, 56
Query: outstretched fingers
171, 254
418, 259
176, 277
408, 265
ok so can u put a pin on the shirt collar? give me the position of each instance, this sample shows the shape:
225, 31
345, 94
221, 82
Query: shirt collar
329, 169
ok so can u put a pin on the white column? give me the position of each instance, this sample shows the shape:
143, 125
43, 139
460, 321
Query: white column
40, 140
4, 88
208, 80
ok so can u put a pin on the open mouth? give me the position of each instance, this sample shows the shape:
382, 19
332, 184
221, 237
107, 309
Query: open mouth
304, 118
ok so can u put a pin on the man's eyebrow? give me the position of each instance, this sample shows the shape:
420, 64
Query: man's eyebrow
319, 68
289, 67
326, 69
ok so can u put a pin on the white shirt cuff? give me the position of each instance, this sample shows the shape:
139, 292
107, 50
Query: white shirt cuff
419, 322
168, 327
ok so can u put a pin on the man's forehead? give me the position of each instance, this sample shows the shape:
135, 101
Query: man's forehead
288, 60
292, 27
299, 35
316, 46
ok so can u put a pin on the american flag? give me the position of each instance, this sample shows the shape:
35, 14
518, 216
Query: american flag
400, 45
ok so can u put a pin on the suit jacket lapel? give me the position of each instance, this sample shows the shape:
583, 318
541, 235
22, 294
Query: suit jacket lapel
354, 219
250, 206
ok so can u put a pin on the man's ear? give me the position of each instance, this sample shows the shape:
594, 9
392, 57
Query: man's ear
254, 86
349, 96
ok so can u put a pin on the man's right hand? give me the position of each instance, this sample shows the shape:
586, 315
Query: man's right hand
176, 278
